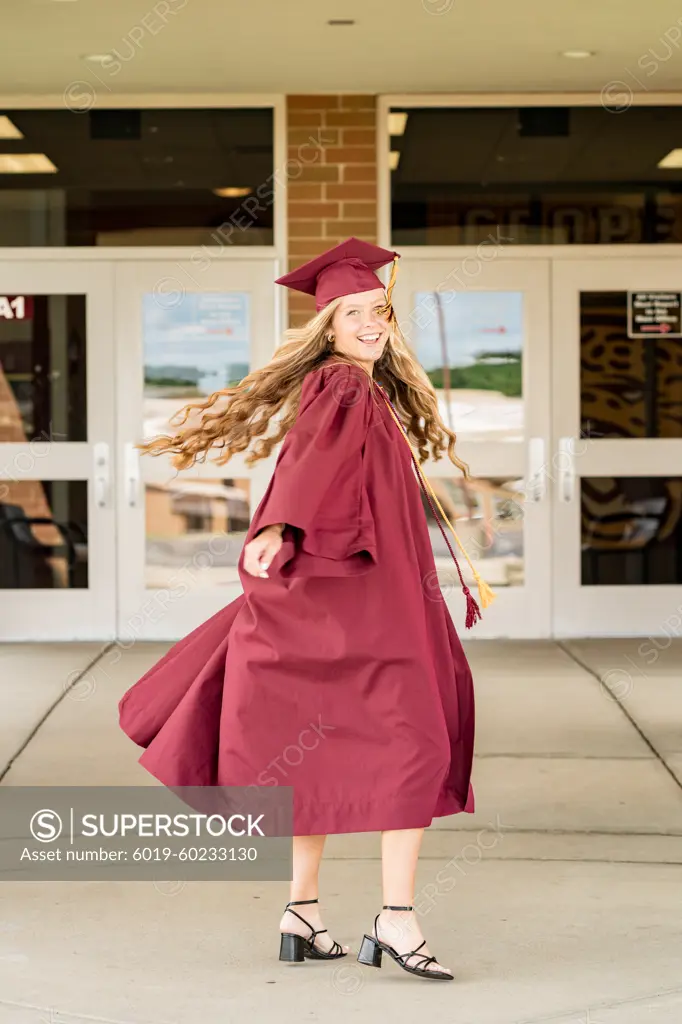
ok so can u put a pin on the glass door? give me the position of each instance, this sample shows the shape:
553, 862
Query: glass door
618, 444
185, 329
479, 324
57, 534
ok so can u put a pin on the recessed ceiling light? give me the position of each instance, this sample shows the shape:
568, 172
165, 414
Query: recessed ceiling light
393, 159
577, 54
97, 58
232, 191
396, 122
8, 130
673, 159
26, 163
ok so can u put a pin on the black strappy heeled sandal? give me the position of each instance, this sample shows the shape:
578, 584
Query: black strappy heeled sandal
372, 949
296, 948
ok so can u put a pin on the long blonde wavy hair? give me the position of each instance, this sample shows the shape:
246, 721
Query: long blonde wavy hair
232, 418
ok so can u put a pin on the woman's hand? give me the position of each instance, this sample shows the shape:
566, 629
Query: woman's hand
259, 552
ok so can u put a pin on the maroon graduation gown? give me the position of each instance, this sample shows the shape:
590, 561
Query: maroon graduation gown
341, 674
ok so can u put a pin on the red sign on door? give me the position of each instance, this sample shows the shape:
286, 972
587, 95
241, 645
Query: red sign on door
16, 307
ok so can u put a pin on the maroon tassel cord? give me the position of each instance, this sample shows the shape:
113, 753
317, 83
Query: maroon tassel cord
473, 611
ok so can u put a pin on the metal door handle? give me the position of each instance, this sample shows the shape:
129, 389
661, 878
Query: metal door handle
536, 480
132, 474
566, 469
102, 473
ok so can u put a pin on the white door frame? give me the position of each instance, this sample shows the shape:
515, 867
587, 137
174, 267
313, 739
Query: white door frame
575, 610
89, 614
115, 605
602, 610
78, 613
519, 610
189, 598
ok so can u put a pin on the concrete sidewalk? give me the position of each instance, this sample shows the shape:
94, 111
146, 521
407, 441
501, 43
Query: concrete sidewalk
559, 901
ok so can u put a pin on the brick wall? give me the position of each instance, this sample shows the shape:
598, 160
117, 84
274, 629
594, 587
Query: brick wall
332, 179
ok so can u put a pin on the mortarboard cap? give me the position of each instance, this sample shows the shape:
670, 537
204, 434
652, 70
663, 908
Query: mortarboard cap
344, 270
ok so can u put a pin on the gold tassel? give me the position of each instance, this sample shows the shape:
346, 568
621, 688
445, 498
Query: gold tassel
391, 281
485, 592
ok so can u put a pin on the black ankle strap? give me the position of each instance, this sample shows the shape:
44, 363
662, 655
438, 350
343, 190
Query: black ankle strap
387, 906
298, 903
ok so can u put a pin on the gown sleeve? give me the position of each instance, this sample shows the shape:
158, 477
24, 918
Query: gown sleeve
318, 488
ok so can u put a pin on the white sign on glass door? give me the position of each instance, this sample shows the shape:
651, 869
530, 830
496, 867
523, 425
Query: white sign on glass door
654, 313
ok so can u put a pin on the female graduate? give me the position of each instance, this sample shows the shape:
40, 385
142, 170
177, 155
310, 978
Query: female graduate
341, 634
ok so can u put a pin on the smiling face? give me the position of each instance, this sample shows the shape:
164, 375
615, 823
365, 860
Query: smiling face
359, 331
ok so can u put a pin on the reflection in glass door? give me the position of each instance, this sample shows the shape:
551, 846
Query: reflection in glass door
183, 335
479, 325
56, 431
618, 431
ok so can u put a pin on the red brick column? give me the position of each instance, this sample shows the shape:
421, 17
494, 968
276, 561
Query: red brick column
332, 179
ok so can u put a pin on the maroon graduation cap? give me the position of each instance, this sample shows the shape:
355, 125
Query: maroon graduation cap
344, 270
